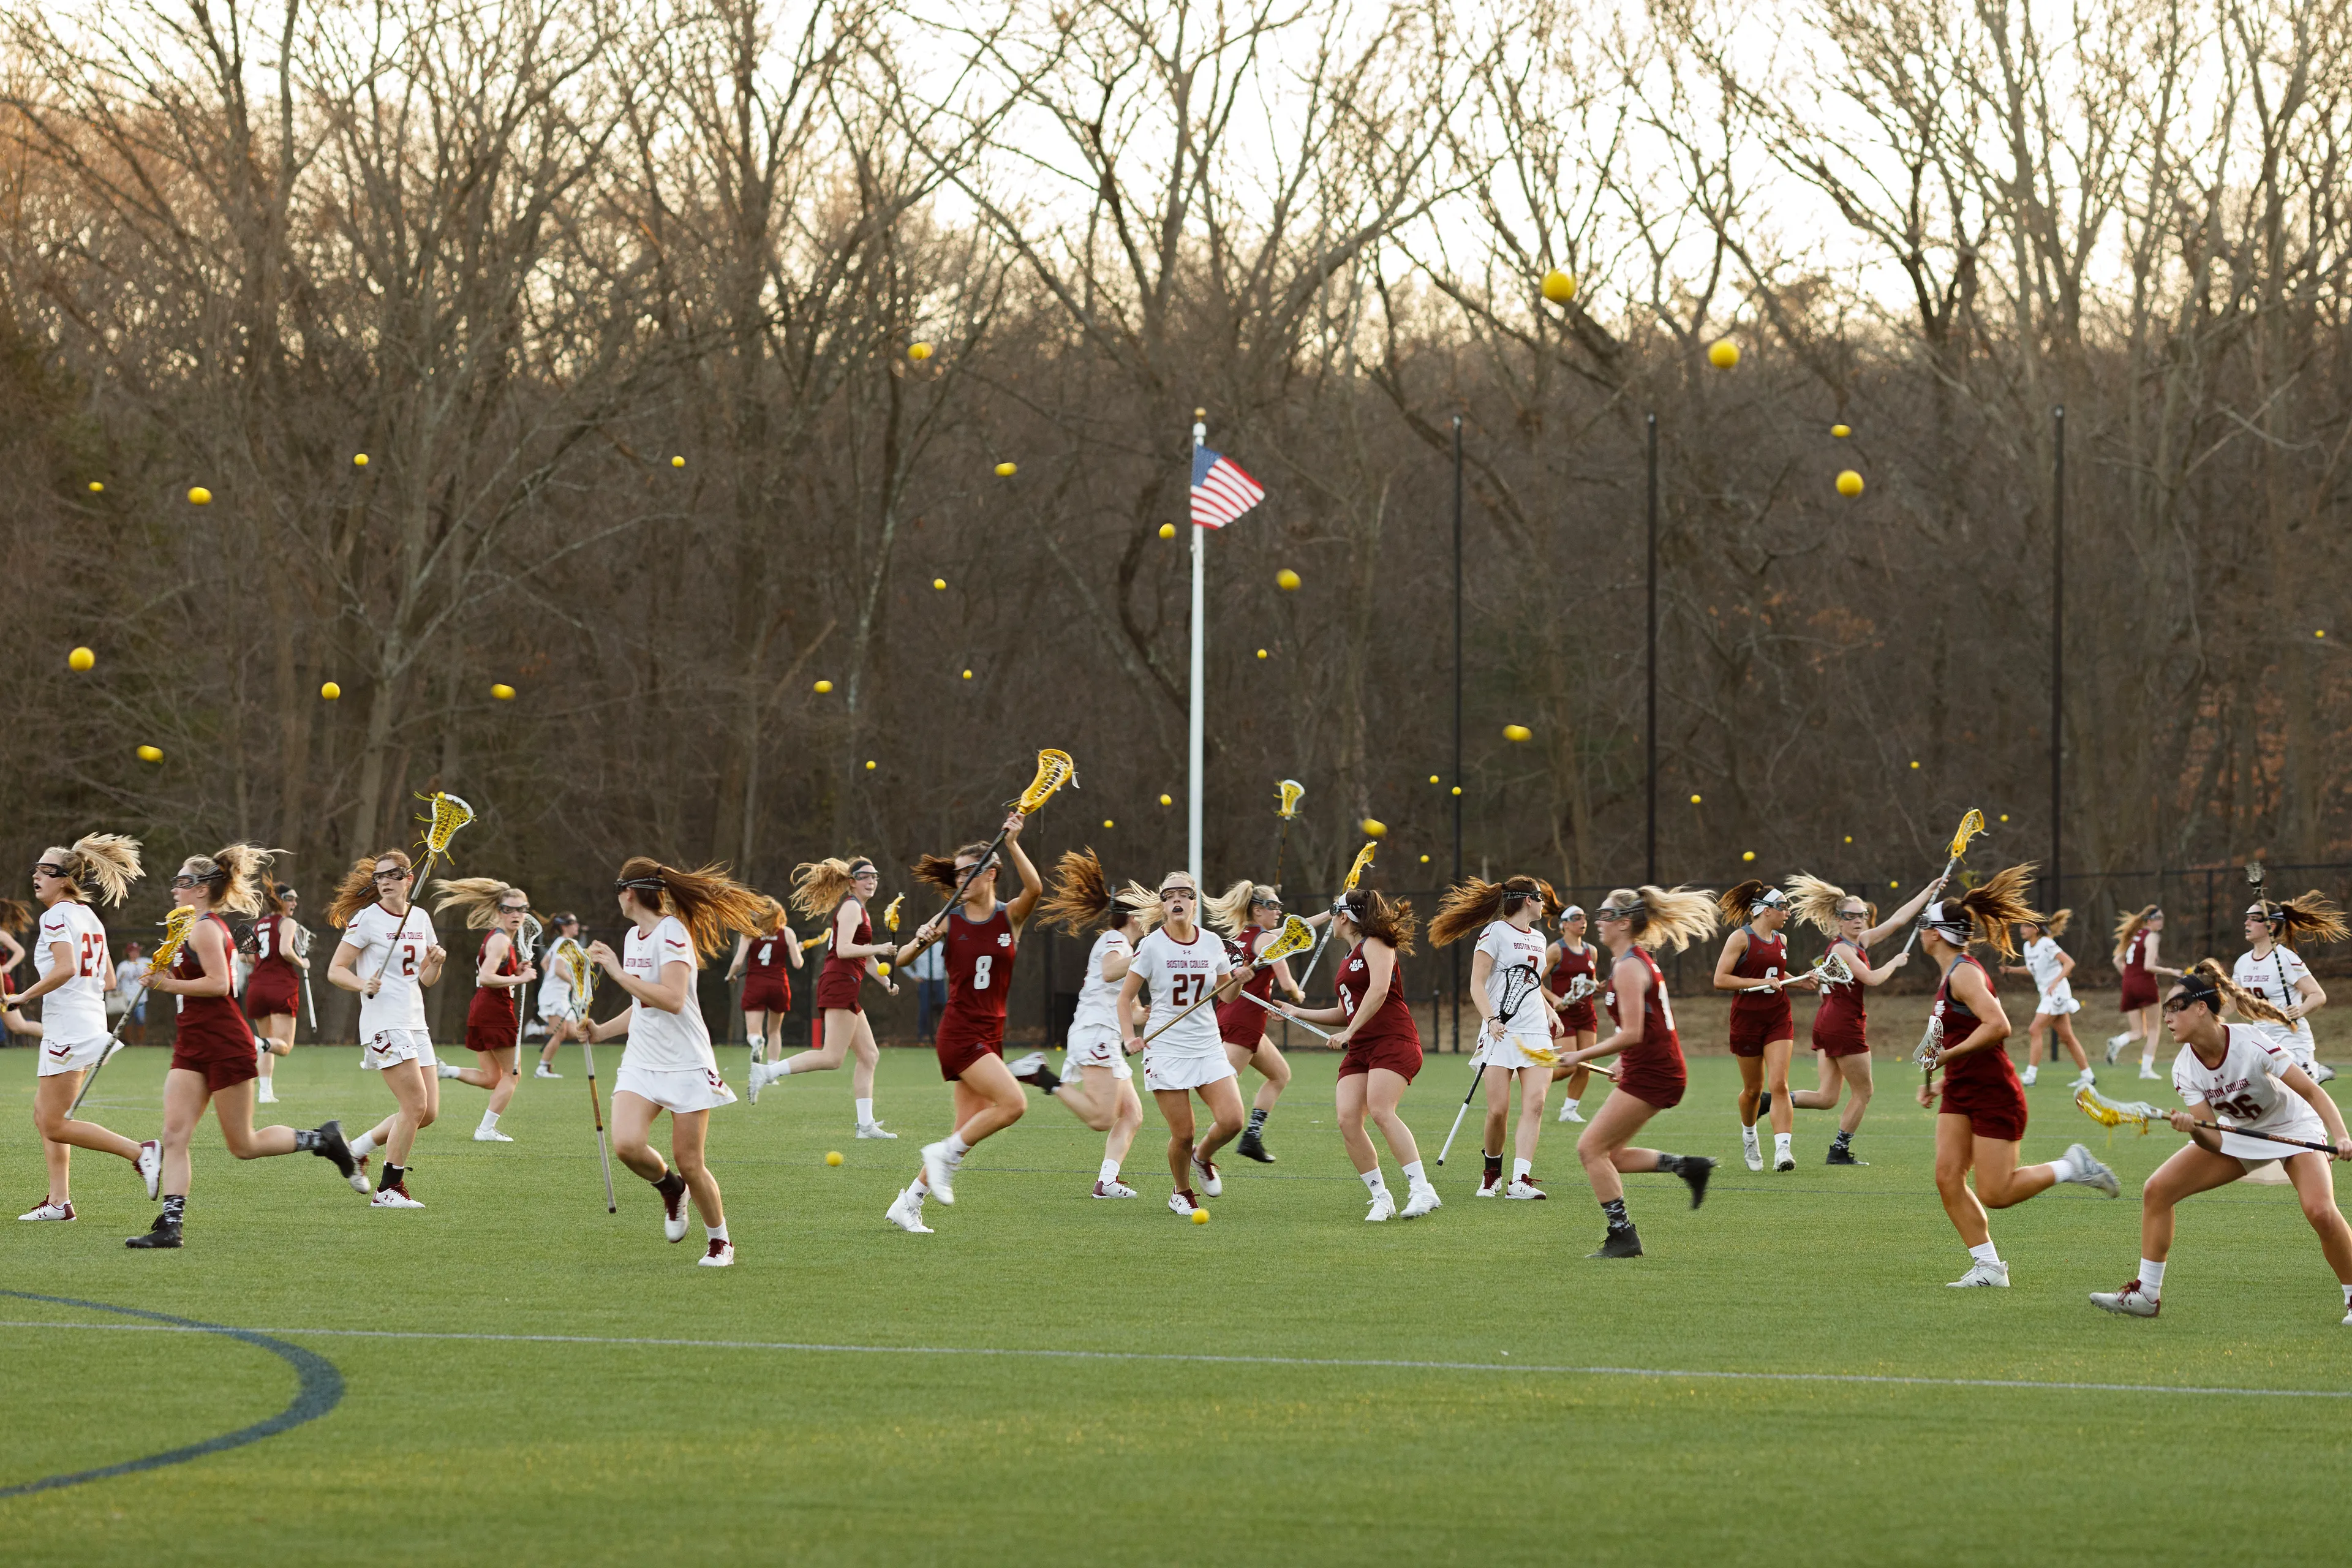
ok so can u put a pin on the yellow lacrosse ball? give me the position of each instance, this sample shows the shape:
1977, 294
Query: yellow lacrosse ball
1374, 827
1748, 855
1432, 778
359, 459
151, 753
1005, 471
1200, 1217
1106, 822
833, 1157
1914, 763
881, 967
1724, 354
869, 765
1458, 789
1558, 287
1167, 531
939, 583
1286, 580
1694, 800
967, 675
96, 488
80, 658
199, 496
1261, 653
331, 691
678, 461
1849, 838
822, 686
917, 352
1517, 733
1840, 431
1424, 860
502, 691
1849, 484
1168, 800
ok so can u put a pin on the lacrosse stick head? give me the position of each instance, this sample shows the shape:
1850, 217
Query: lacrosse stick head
527, 936
447, 814
298, 940
1544, 1054
1356, 872
176, 927
1292, 791
890, 915
1295, 936
2115, 1113
1931, 1040
1581, 986
584, 973
1972, 826
1834, 970
1054, 769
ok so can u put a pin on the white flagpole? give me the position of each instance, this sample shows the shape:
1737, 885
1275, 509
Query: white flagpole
1200, 662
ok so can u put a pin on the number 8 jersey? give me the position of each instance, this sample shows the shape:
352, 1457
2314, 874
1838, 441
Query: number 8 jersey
980, 972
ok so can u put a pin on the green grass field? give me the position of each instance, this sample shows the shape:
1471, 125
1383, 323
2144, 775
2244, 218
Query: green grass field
1283, 1384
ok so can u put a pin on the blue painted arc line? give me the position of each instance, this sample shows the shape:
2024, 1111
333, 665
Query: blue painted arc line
319, 1389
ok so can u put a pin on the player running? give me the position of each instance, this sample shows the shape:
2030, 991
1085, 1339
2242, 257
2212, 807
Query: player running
2272, 968
388, 955
2139, 940
1982, 1119
560, 1008
275, 991
675, 917
213, 1058
71, 971
1754, 966
1096, 1084
2051, 968
1249, 914
492, 1027
1179, 965
1515, 1014
2240, 1076
1566, 962
1841, 1035
838, 891
764, 962
1379, 1045
1652, 1077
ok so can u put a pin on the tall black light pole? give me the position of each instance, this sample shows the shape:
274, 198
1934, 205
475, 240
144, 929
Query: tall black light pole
1650, 859
2057, 654
1457, 711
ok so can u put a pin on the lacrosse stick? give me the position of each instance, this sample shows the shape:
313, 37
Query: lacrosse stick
1292, 791
1579, 988
1319, 1034
177, 925
448, 815
1294, 937
585, 990
2115, 1113
526, 946
1355, 875
1054, 769
1458, 1115
300, 945
890, 915
1972, 826
1831, 971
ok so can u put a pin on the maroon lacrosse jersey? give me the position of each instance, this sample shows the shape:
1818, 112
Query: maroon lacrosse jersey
979, 970
1767, 958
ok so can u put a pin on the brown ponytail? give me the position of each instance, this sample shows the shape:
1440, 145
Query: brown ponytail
1392, 919
477, 895
2206, 979
234, 876
2129, 927
2309, 918
819, 886
707, 900
356, 892
1469, 907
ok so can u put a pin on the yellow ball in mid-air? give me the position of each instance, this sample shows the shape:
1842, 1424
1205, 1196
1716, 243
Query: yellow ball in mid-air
1199, 1216
833, 1156
1840, 431
822, 686
1432, 778
1558, 287
869, 765
502, 691
1748, 855
939, 583
151, 753
677, 461
919, 352
1286, 580
1261, 653
331, 691
96, 488
199, 496
1694, 800
1723, 354
1374, 827
359, 459
1458, 789
1168, 800
1106, 822
1516, 733
1914, 763
1424, 860
1005, 471
80, 658
1167, 531
1849, 484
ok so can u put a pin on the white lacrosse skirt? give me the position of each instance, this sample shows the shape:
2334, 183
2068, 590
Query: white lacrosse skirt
71, 1056
1167, 1069
675, 1088
1096, 1045
386, 1048
2058, 1000
1512, 1052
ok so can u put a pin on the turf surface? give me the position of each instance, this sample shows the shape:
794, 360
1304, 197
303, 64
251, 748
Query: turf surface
1340, 1441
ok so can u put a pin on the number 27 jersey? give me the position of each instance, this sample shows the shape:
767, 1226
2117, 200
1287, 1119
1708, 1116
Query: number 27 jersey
1179, 974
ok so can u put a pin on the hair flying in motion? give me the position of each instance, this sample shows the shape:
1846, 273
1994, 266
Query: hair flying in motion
105, 864
1470, 907
1375, 914
819, 886
356, 892
1988, 913
477, 895
2130, 926
236, 874
2205, 981
941, 870
1081, 897
275, 894
1672, 918
1742, 900
2055, 924
1229, 912
15, 914
2310, 917
706, 900
1815, 901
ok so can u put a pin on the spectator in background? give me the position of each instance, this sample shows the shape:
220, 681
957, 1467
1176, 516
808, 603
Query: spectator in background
131, 993
930, 989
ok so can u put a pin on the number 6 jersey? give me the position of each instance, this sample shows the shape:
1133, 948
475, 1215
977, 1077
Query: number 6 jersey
375, 931
1178, 975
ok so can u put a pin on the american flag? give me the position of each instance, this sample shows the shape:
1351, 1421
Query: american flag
1221, 491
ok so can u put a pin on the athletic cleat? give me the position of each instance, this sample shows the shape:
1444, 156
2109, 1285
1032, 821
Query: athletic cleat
1115, 1188
1032, 1071
1751, 1150
2093, 1174
720, 1256
2115, 1044
1625, 1243
1490, 1184
755, 1081
394, 1198
490, 1136
1253, 1147
1784, 1161
1995, 1274
46, 1211
151, 1166
361, 1183
267, 1096
2133, 1300
544, 1071
2347, 1320
906, 1212
1421, 1200
163, 1235
671, 1190
1182, 1203
1035, 1062
1696, 1170
1525, 1188
1384, 1207
2087, 1079
333, 1146
1569, 1114
938, 1173
2321, 1072
2033, 1070
1206, 1178
447, 1070
1839, 1154
2148, 1073
874, 1130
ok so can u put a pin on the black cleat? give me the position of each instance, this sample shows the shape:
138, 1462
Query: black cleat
1763, 1105
1253, 1147
163, 1233
1695, 1172
1042, 1078
1625, 1243
332, 1146
1839, 1154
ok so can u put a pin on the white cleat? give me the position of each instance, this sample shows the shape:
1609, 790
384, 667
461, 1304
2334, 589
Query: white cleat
447, 1070
1784, 1161
2348, 1319
906, 1212
939, 1173
2321, 1072
1177, 1204
267, 1096
1569, 1114
755, 1081
46, 1211
673, 1213
151, 1166
875, 1130
1525, 1188
2133, 1300
1751, 1150
545, 1071
1034, 1062
2115, 1044
1384, 1207
1205, 1179
720, 1256
1115, 1188
1995, 1274
2092, 1174
490, 1136
2030, 1074
2087, 1079
1421, 1200
393, 1198
2149, 1074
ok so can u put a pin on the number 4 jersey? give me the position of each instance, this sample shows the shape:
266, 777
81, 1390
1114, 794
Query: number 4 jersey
396, 946
1177, 974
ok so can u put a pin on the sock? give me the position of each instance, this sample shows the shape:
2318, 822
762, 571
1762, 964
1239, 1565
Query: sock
918, 1189
490, 1120
1372, 1180
393, 1176
2120, 1041
175, 1207
1670, 1164
1986, 1254
1257, 1119
2347, 1297
1844, 1137
717, 1232
2062, 1168
1568, 1104
1494, 1165
1520, 1168
1413, 1174
362, 1144
786, 1069
1615, 1209
1109, 1171
957, 1148
1781, 1142
1747, 1132
669, 1182
866, 1114
306, 1140
2151, 1277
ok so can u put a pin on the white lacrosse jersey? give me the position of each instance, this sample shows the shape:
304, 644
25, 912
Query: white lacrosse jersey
1521, 951
2244, 1090
75, 1011
659, 1041
2275, 979
395, 945
2042, 960
1098, 998
1176, 974
556, 991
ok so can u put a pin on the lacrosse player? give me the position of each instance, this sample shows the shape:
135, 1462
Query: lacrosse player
1571, 965
1754, 966
2241, 1076
393, 941
1249, 914
497, 909
1840, 1024
764, 962
559, 992
1515, 1014
2271, 967
1097, 1085
2051, 968
275, 990
838, 892
2139, 946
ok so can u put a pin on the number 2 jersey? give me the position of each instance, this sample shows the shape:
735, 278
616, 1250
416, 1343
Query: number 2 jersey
1176, 974
980, 971
2244, 1090
395, 946
75, 1011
